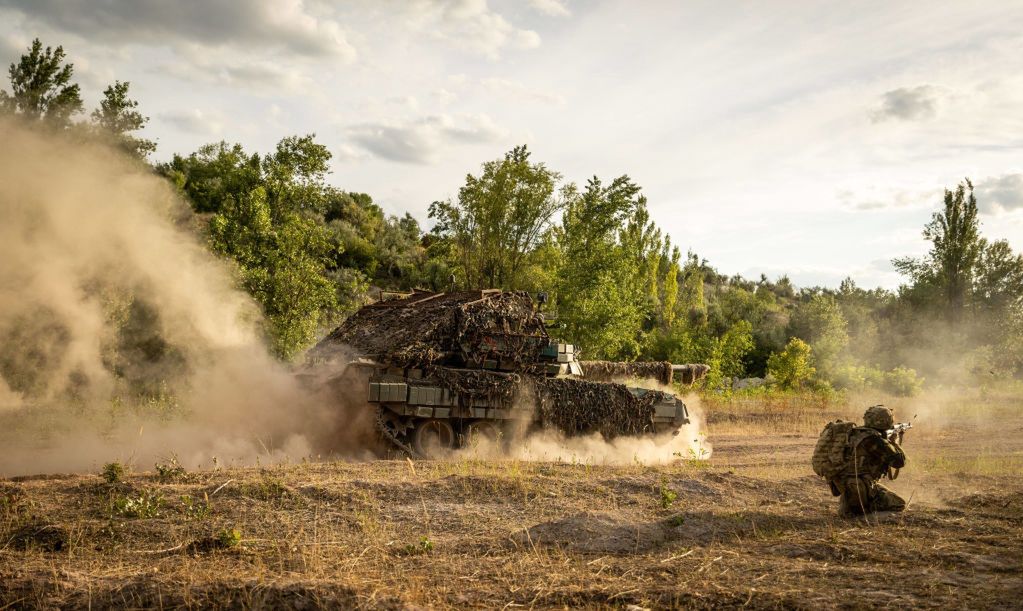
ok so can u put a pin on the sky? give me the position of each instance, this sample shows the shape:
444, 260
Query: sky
812, 139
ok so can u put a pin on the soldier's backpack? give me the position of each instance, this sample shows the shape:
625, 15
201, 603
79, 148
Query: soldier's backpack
829, 455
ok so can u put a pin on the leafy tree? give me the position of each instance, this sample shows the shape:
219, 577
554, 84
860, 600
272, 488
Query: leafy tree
820, 323
998, 285
41, 87
216, 171
117, 117
956, 247
281, 257
293, 175
606, 281
793, 366
500, 218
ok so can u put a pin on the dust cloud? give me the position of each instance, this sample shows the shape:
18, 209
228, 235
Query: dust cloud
122, 337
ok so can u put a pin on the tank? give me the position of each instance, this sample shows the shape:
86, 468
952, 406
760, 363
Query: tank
443, 369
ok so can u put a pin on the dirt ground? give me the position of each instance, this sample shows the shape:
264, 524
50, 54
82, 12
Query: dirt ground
751, 526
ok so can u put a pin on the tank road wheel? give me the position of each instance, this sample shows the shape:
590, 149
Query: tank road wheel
433, 438
481, 432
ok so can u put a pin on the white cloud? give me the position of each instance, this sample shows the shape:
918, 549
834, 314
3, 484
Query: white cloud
193, 121
200, 65
554, 8
423, 140
1000, 193
469, 25
248, 24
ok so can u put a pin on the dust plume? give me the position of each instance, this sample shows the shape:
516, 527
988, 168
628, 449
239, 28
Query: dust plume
123, 338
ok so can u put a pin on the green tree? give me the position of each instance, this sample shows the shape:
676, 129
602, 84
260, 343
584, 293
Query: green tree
500, 218
609, 253
208, 176
998, 285
793, 366
41, 87
281, 257
956, 244
118, 118
820, 323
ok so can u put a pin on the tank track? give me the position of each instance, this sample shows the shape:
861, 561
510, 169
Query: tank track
389, 435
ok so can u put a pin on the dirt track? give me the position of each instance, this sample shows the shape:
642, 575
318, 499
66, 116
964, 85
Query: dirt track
749, 527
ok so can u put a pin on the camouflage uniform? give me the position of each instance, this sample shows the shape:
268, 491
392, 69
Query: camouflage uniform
871, 456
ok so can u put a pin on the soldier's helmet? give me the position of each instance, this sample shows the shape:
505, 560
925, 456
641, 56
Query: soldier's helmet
878, 417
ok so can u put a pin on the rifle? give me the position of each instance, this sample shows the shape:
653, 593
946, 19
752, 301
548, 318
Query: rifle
898, 430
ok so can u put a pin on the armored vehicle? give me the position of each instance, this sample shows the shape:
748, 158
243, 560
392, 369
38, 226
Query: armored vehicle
443, 368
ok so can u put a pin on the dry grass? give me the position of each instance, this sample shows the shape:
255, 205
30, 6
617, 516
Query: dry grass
751, 526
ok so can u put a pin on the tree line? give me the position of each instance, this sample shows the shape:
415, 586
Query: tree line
310, 253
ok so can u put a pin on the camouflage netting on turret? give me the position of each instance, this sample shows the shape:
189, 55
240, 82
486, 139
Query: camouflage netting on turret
578, 407
425, 328
690, 374
608, 371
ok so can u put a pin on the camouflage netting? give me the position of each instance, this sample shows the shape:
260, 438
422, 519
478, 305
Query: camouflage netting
608, 371
690, 374
425, 328
475, 383
578, 407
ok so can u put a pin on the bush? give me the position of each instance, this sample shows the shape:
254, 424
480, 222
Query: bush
857, 377
170, 470
113, 472
229, 537
793, 366
144, 505
903, 382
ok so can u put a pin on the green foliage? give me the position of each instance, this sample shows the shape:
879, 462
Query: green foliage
820, 323
903, 382
196, 509
210, 175
793, 367
613, 266
280, 255
956, 246
117, 118
423, 546
170, 470
667, 495
143, 505
113, 472
500, 218
229, 537
41, 87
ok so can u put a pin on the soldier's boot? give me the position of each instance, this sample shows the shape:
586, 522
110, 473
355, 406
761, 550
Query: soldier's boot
886, 500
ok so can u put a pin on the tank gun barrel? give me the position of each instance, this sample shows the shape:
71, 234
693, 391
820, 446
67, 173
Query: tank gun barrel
662, 371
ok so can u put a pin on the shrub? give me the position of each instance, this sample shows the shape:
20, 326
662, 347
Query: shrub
793, 366
196, 509
169, 470
144, 505
229, 537
425, 546
113, 472
668, 496
903, 382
